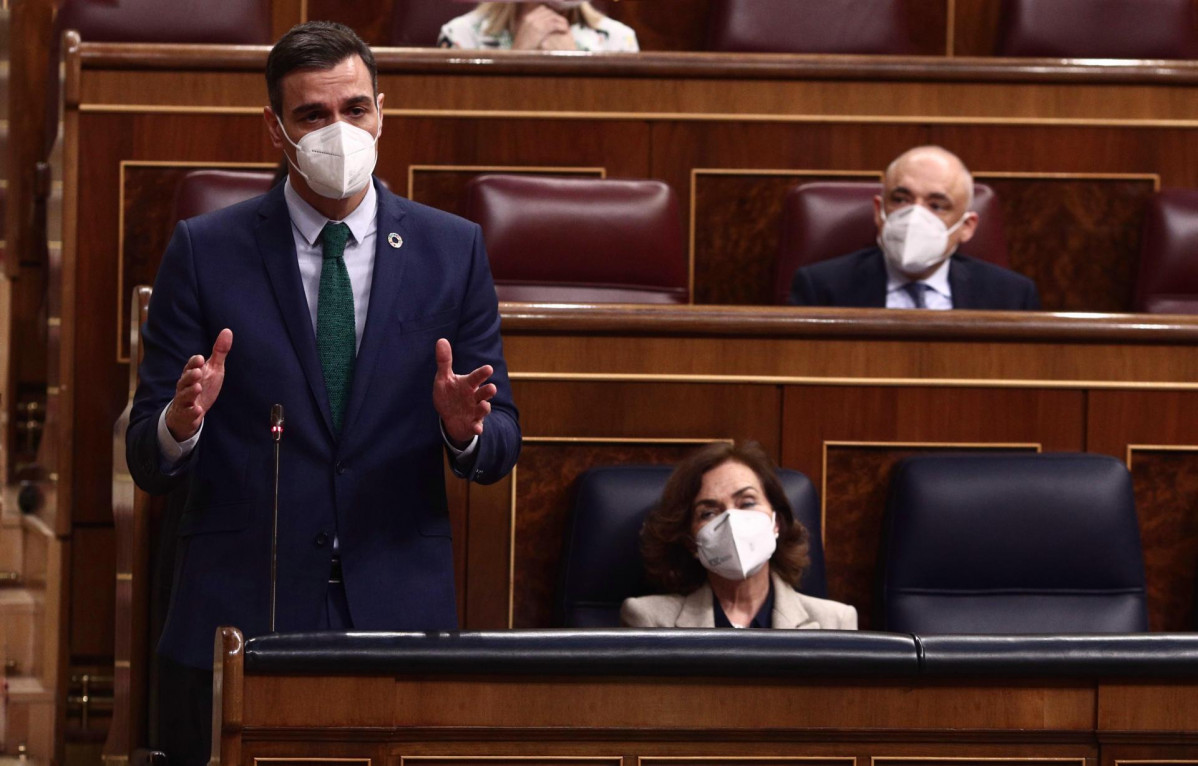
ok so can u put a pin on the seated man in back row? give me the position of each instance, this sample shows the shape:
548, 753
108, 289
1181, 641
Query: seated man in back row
923, 217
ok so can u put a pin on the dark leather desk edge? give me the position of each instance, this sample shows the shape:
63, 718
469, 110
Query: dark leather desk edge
715, 653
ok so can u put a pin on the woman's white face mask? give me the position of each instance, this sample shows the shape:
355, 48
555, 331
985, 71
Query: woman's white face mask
914, 240
737, 543
336, 160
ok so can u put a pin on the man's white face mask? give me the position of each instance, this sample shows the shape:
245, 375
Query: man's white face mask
336, 160
737, 543
914, 239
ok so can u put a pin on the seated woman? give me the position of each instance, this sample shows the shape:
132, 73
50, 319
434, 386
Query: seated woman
550, 25
724, 542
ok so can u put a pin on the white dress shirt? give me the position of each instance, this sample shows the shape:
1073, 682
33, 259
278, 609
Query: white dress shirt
939, 294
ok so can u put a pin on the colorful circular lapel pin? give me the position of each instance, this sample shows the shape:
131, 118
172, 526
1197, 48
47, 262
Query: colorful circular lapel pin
394, 240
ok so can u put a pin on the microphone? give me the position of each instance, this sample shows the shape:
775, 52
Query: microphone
276, 432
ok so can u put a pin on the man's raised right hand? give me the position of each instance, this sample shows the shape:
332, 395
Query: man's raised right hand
197, 389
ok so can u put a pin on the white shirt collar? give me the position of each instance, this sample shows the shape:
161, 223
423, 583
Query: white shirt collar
309, 222
938, 280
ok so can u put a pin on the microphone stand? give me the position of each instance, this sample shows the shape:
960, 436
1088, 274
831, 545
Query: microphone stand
276, 432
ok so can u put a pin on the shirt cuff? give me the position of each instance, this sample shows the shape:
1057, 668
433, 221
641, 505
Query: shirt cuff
461, 457
174, 452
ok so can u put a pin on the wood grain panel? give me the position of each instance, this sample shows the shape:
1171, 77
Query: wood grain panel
975, 28
92, 609
371, 20
1078, 240
1166, 492
599, 409
544, 495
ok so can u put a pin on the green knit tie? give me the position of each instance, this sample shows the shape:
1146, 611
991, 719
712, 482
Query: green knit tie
335, 338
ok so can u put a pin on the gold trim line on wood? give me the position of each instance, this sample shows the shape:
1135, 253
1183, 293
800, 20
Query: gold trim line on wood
53, 390
823, 483
121, 305
115, 760
1119, 761
412, 170
679, 116
971, 759
122, 664
53, 321
745, 758
511, 554
124, 577
774, 380
1156, 448
522, 758
278, 759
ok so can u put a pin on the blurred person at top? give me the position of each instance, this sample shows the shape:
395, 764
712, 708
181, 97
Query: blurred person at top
549, 25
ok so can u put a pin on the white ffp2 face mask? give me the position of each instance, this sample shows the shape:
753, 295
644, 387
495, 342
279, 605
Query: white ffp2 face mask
737, 543
336, 160
914, 239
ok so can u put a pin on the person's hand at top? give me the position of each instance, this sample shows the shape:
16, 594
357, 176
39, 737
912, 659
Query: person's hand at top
543, 29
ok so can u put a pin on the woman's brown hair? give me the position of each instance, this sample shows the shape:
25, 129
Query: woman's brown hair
667, 546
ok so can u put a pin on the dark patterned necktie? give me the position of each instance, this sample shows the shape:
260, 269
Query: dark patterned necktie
335, 339
915, 289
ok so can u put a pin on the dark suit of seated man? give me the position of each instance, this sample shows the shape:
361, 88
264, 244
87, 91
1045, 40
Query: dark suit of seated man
923, 217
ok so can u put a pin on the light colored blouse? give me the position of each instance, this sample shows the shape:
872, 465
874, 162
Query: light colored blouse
469, 32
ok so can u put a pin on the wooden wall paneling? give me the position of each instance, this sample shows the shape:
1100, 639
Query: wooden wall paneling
620, 148
486, 590
92, 609
975, 27
1078, 239
847, 438
665, 25
1157, 435
1165, 481
284, 14
371, 20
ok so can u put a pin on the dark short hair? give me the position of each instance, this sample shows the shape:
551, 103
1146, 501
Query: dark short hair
667, 546
314, 45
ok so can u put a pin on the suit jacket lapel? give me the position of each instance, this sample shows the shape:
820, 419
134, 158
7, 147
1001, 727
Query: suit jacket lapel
697, 611
788, 608
961, 284
389, 265
872, 282
277, 247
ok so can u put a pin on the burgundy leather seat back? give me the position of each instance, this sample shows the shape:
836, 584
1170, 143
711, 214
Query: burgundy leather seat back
824, 219
1132, 29
576, 240
1168, 279
230, 22
202, 191
417, 23
809, 26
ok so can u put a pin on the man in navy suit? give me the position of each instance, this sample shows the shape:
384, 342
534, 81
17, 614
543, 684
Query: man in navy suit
923, 217
351, 307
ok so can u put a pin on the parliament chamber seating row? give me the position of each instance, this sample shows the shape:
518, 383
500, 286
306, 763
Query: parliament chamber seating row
1162, 29
972, 544
573, 240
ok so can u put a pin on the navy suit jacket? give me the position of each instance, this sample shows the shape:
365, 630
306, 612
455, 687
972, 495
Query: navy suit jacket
859, 280
379, 487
